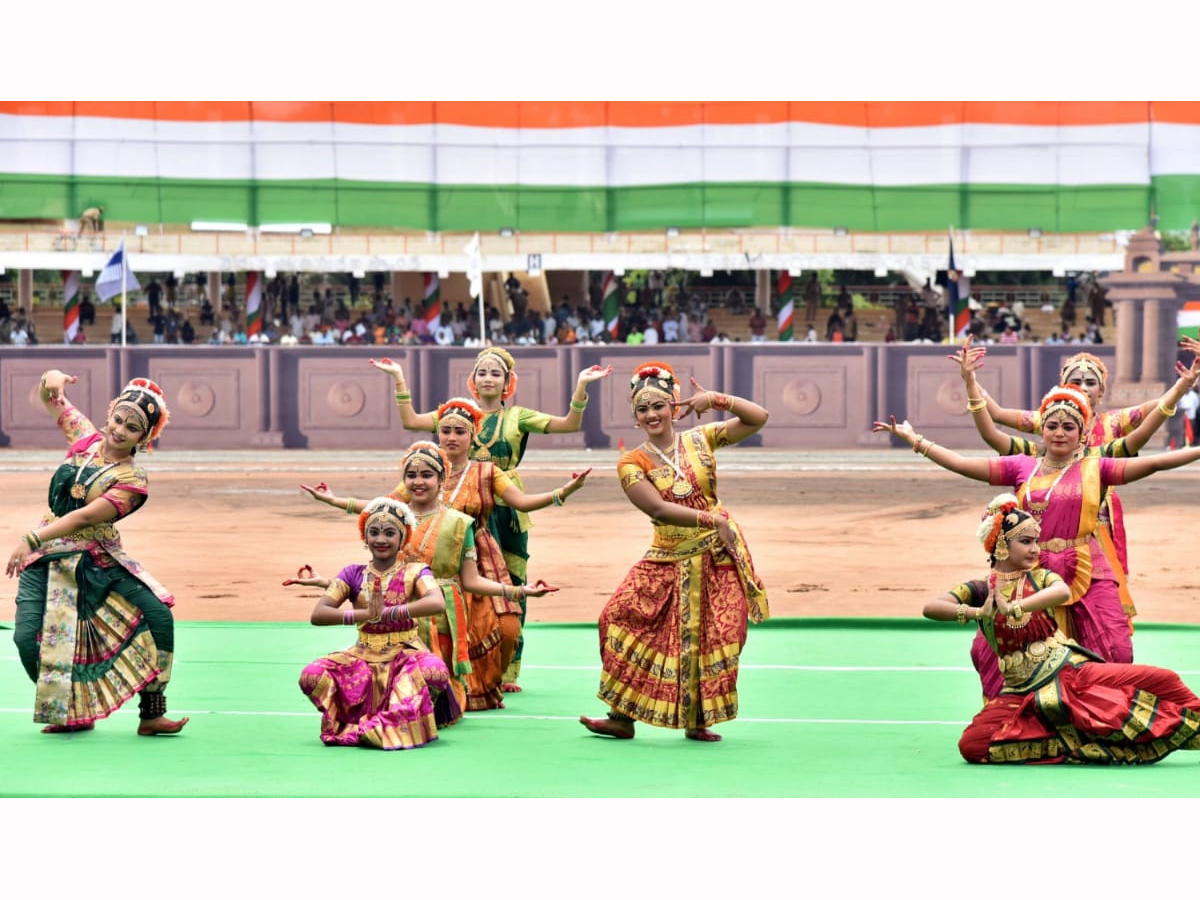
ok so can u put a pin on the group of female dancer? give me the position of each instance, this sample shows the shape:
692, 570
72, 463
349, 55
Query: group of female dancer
438, 605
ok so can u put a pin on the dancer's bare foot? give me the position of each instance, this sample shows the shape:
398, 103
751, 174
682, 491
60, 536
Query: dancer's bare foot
67, 729
161, 725
701, 734
510, 687
617, 728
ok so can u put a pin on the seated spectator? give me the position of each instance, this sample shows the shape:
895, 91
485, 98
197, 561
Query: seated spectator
87, 311
758, 326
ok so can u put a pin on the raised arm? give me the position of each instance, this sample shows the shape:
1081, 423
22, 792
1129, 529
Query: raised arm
518, 499
969, 360
409, 418
1009, 418
750, 417
573, 420
977, 469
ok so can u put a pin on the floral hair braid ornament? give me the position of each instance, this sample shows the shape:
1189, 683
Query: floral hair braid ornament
462, 410
144, 399
1069, 400
1004, 520
657, 378
383, 510
502, 358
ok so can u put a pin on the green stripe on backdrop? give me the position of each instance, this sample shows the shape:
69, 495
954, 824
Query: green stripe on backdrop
1089, 208
829, 708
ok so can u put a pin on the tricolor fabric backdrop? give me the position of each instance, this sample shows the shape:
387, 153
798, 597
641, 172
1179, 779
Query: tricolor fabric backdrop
599, 166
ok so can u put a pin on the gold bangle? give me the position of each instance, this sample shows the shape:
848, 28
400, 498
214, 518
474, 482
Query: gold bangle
917, 442
976, 405
350, 506
1016, 611
557, 497
929, 445
1167, 411
960, 613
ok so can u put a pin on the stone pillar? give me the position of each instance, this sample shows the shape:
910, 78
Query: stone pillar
1126, 322
762, 291
215, 295
1151, 334
25, 291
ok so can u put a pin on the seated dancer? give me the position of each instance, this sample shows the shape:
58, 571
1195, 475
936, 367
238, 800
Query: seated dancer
684, 606
114, 635
387, 690
445, 540
1063, 489
501, 439
1060, 701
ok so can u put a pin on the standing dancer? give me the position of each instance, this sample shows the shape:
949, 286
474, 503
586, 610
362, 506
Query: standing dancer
443, 539
501, 440
672, 633
1060, 703
387, 690
1063, 490
93, 627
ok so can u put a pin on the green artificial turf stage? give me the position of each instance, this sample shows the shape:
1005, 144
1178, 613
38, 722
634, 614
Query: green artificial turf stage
829, 708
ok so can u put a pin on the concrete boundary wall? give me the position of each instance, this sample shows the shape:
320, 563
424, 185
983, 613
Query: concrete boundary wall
821, 396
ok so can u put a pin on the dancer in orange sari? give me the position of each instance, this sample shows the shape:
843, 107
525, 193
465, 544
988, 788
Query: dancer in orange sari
501, 439
1060, 702
672, 633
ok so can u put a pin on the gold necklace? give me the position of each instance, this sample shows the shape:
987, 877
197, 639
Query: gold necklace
680, 487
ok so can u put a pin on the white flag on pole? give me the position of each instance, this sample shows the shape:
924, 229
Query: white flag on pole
116, 277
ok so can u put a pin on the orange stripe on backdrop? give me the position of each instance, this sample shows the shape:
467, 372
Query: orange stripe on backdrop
625, 114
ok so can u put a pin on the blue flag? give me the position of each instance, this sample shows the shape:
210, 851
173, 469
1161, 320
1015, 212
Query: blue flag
117, 277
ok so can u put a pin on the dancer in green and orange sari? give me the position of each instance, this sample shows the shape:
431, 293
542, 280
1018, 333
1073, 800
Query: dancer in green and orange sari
93, 627
501, 440
672, 633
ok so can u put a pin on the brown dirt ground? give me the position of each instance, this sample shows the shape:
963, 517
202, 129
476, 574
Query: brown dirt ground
825, 543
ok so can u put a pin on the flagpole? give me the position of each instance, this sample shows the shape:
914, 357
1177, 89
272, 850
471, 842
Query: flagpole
124, 296
951, 337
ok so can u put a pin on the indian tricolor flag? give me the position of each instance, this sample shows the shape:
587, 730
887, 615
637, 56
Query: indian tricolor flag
253, 304
432, 301
1188, 319
70, 306
787, 306
610, 304
610, 166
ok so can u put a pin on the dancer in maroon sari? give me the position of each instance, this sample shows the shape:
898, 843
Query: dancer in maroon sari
1060, 703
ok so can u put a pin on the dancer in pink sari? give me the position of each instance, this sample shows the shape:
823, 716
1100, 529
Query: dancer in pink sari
387, 690
1063, 489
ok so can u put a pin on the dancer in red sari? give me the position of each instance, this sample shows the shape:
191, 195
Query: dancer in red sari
672, 633
1060, 702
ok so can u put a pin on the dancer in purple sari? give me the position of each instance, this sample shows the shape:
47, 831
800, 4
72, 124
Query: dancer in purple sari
387, 690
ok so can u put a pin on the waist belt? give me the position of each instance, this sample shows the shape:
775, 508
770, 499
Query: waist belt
380, 640
1058, 545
